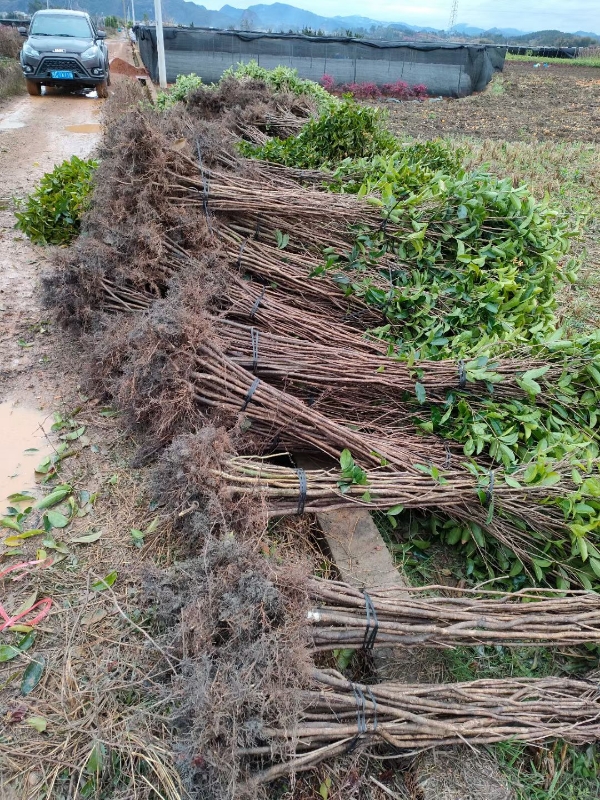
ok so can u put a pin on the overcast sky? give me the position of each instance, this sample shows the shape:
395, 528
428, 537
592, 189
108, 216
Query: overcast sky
565, 15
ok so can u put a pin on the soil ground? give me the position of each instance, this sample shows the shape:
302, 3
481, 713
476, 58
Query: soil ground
558, 103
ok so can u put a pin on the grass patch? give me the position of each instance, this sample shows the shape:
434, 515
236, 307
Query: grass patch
11, 78
586, 61
557, 772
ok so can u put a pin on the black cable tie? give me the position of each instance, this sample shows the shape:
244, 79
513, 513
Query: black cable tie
302, 488
361, 709
205, 194
239, 263
251, 391
257, 230
370, 629
372, 699
489, 492
462, 374
361, 718
254, 336
257, 303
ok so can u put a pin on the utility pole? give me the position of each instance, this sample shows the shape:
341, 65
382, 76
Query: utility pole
132, 14
453, 15
160, 45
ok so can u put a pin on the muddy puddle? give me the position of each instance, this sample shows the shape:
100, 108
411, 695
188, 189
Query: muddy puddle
22, 446
88, 127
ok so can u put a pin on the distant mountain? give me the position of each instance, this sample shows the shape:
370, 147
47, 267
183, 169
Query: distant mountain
555, 39
587, 33
279, 17
469, 30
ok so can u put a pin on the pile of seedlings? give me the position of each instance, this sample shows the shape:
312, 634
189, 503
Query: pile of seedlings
260, 280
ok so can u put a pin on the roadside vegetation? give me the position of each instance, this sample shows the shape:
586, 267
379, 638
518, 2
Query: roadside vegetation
582, 61
11, 75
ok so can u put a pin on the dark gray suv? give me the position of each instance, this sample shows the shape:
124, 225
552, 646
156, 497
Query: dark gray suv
65, 49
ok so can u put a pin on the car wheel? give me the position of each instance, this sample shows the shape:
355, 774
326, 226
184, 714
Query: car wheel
33, 88
102, 89
108, 78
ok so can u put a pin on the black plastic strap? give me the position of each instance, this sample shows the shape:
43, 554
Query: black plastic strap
462, 374
302, 490
489, 492
240, 254
250, 394
257, 229
372, 625
254, 336
361, 718
257, 303
372, 699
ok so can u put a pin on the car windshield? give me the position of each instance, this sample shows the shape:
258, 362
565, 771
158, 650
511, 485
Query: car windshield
61, 25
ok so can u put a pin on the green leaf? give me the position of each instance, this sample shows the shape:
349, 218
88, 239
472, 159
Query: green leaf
9, 522
595, 565
346, 460
550, 479
15, 541
27, 642
73, 435
20, 498
152, 526
88, 538
394, 510
530, 473
52, 499
529, 386
56, 519
8, 652
104, 583
477, 534
96, 758
516, 569
532, 374
512, 482
420, 392
39, 723
32, 675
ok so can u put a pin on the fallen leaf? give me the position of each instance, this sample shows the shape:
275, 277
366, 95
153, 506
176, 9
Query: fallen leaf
104, 583
39, 723
32, 675
88, 538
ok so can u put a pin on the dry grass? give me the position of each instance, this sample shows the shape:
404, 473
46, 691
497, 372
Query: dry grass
105, 727
11, 78
11, 42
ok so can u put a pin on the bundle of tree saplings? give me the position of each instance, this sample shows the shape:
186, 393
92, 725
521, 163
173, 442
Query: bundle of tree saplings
340, 715
443, 616
418, 269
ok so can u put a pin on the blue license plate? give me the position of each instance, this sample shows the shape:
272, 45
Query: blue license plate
62, 74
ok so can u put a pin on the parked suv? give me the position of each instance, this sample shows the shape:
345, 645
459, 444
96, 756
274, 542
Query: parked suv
65, 49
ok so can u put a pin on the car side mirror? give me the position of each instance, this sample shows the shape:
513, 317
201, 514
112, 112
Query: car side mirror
101, 35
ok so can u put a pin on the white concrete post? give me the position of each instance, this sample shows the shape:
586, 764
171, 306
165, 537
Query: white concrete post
160, 44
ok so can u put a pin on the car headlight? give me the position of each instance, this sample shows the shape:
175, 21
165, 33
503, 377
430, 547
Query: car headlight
29, 50
91, 52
